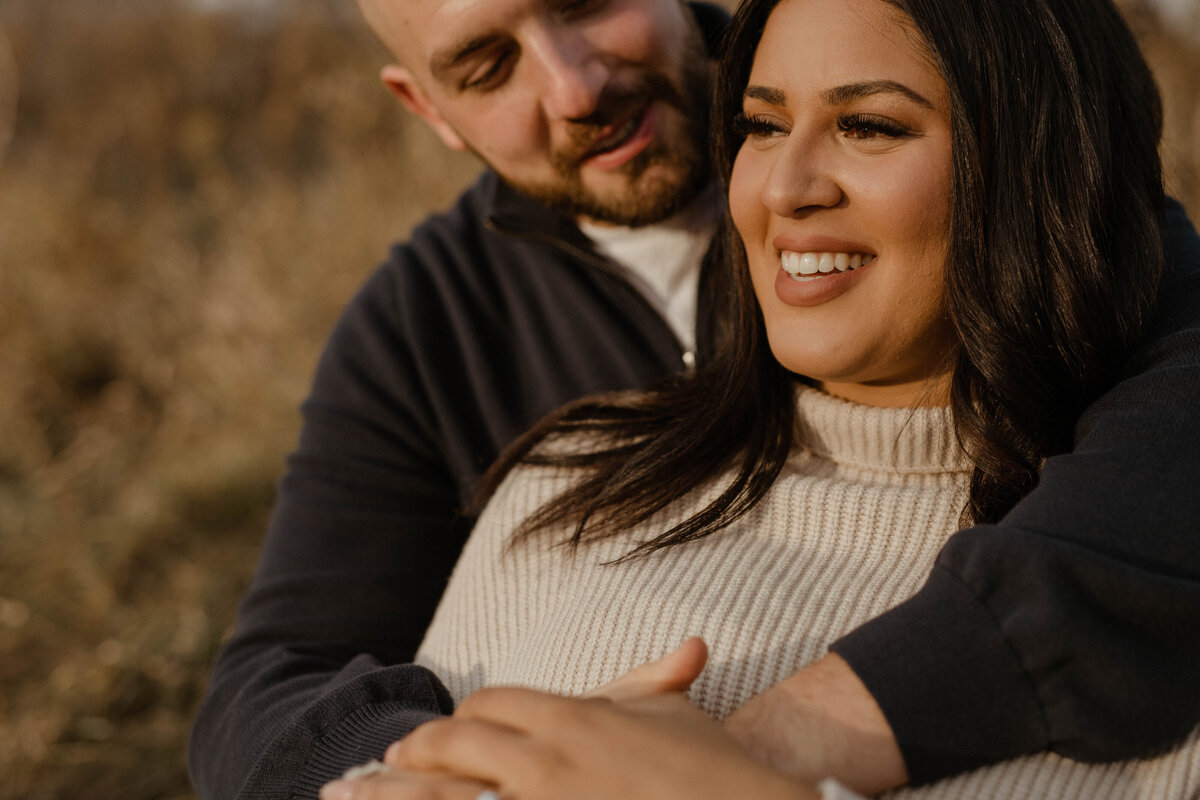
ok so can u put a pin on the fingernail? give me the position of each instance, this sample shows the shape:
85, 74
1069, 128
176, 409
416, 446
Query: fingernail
338, 790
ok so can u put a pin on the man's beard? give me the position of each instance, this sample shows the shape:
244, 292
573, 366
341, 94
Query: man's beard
683, 166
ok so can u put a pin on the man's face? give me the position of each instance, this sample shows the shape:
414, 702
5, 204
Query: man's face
595, 107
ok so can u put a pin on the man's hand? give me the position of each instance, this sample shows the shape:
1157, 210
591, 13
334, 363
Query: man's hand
822, 722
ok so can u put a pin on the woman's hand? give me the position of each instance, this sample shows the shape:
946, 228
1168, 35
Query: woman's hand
536, 746
392, 784
674, 672
650, 743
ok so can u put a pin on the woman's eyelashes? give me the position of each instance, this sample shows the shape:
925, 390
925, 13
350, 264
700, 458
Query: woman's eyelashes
756, 126
870, 126
854, 126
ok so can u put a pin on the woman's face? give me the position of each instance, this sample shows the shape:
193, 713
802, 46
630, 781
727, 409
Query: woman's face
841, 194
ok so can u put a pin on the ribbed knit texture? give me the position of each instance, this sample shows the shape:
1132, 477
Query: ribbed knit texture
851, 528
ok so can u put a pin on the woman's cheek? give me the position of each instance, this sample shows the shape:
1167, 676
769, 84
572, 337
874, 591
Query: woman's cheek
745, 198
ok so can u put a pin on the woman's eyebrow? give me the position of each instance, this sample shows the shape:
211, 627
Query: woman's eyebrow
840, 95
773, 97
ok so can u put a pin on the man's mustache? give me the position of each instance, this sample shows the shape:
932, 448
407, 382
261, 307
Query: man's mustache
616, 101
614, 105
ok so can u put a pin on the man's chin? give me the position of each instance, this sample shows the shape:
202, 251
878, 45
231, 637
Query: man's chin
619, 198
643, 202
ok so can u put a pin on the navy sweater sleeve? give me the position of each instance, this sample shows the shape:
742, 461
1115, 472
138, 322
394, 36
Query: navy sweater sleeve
1071, 625
356, 555
464, 338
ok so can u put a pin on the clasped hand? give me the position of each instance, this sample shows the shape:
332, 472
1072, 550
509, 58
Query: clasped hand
637, 737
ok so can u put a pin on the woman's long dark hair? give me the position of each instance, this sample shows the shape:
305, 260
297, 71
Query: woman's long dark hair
1053, 265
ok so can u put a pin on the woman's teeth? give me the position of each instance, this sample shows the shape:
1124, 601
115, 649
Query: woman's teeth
805, 266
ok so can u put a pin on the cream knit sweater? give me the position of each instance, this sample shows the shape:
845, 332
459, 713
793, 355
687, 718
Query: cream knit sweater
851, 528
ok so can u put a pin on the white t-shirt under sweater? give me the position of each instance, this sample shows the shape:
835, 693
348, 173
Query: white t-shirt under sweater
850, 529
663, 260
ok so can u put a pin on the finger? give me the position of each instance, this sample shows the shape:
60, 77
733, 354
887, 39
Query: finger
472, 749
675, 672
535, 715
399, 785
525, 710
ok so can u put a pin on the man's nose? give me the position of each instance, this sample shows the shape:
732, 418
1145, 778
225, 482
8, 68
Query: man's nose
574, 73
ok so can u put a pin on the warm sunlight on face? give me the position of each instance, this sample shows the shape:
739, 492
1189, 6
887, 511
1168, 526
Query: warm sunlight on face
594, 107
841, 193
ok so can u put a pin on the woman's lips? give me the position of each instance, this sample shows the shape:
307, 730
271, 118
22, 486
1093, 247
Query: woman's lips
813, 277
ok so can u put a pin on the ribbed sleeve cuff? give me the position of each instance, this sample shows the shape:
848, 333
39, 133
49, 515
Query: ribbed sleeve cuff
948, 682
362, 736
350, 727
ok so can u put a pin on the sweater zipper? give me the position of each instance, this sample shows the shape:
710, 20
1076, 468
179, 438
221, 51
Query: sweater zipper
688, 357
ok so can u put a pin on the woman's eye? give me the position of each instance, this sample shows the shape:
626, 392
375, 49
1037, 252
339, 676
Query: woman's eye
867, 126
748, 126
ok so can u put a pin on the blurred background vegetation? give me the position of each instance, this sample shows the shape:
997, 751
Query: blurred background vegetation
187, 199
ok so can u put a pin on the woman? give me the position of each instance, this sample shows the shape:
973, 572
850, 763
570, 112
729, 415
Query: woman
947, 219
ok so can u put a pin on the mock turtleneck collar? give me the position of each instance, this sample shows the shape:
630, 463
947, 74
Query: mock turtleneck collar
907, 440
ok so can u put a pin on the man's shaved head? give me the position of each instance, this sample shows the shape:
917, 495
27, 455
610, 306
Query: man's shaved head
386, 19
594, 107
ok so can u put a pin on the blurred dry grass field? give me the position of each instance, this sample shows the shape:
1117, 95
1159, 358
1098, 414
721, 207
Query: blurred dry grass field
186, 201
185, 205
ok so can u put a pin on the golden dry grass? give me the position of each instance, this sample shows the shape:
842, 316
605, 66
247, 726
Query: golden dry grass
184, 207
185, 203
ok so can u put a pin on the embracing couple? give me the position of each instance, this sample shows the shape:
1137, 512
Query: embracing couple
855, 337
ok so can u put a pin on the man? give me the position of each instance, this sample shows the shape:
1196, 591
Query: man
571, 267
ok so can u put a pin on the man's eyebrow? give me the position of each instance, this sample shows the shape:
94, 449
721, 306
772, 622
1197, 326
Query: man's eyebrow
444, 60
841, 95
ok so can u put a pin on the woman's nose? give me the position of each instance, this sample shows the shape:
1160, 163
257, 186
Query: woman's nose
801, 178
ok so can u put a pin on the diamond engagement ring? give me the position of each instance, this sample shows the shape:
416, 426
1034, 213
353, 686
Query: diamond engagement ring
487, 794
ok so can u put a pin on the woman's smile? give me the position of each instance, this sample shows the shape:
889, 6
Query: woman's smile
841, 194
811, 266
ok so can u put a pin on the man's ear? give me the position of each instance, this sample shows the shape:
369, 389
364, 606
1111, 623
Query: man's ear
401, 83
